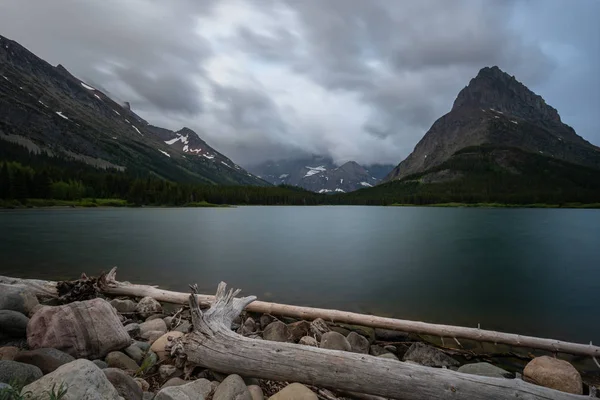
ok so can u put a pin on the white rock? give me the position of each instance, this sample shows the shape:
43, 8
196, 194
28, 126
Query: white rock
85, 381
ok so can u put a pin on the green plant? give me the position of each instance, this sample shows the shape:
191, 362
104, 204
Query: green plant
57, 394
13, 391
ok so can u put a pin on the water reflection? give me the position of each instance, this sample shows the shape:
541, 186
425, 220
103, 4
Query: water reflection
528, 271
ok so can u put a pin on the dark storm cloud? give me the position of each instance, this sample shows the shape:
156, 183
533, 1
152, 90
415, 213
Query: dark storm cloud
352, 79
169, 91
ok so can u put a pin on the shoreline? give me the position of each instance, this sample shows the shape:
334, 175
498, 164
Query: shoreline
49, 204
137, 333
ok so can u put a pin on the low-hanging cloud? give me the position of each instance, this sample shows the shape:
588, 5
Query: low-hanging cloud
351, 79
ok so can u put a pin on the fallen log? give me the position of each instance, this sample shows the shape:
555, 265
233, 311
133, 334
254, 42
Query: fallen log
108, 284
43, 289
212, 344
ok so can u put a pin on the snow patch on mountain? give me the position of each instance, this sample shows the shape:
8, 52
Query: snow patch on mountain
314, 170
88, 87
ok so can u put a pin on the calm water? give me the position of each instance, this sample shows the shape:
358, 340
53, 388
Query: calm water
524, 271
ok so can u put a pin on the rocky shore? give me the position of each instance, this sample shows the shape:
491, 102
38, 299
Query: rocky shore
118, 348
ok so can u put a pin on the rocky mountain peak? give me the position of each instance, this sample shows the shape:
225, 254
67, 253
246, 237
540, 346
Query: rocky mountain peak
494, 89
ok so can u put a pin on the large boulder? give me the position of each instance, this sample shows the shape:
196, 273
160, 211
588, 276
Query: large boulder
335, 341
13, 323
485, 369
358, 343
124, 306
232, 388
553, 373
83, 329
294, 391
13, 371
196, 390
148, 306
423, 354
84, 380
124, 384
277, 331
160, 345
47, 359
116, 359
17, 299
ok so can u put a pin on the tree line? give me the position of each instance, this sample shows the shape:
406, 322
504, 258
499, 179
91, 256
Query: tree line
24, 175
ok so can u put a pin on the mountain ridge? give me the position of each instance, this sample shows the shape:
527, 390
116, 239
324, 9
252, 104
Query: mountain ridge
321, 174
497, 109
46, 108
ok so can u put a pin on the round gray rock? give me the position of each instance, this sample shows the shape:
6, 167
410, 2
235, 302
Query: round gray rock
148, 306
13, 323
335, 341
358, 343
17, 299
13, 371
116, 359
135, 353
124, 384
84, 380
232, 388
155, 325
124, 306
46, 359
195, 390
277, 332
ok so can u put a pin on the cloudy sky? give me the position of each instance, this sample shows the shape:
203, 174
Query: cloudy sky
357, 80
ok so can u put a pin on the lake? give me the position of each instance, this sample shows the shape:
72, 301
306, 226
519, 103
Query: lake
527, 271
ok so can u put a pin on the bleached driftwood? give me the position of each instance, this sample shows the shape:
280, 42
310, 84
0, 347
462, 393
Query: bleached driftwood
108, 284
44, 289
212, 344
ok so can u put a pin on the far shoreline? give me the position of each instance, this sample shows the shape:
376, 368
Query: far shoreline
52, 204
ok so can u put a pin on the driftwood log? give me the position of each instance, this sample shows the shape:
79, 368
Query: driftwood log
212, 344
108, 284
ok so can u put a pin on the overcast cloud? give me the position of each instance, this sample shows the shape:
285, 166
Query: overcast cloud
356, 80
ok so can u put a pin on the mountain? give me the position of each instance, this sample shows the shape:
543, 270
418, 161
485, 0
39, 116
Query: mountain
47, 109
497, 110
320, 174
